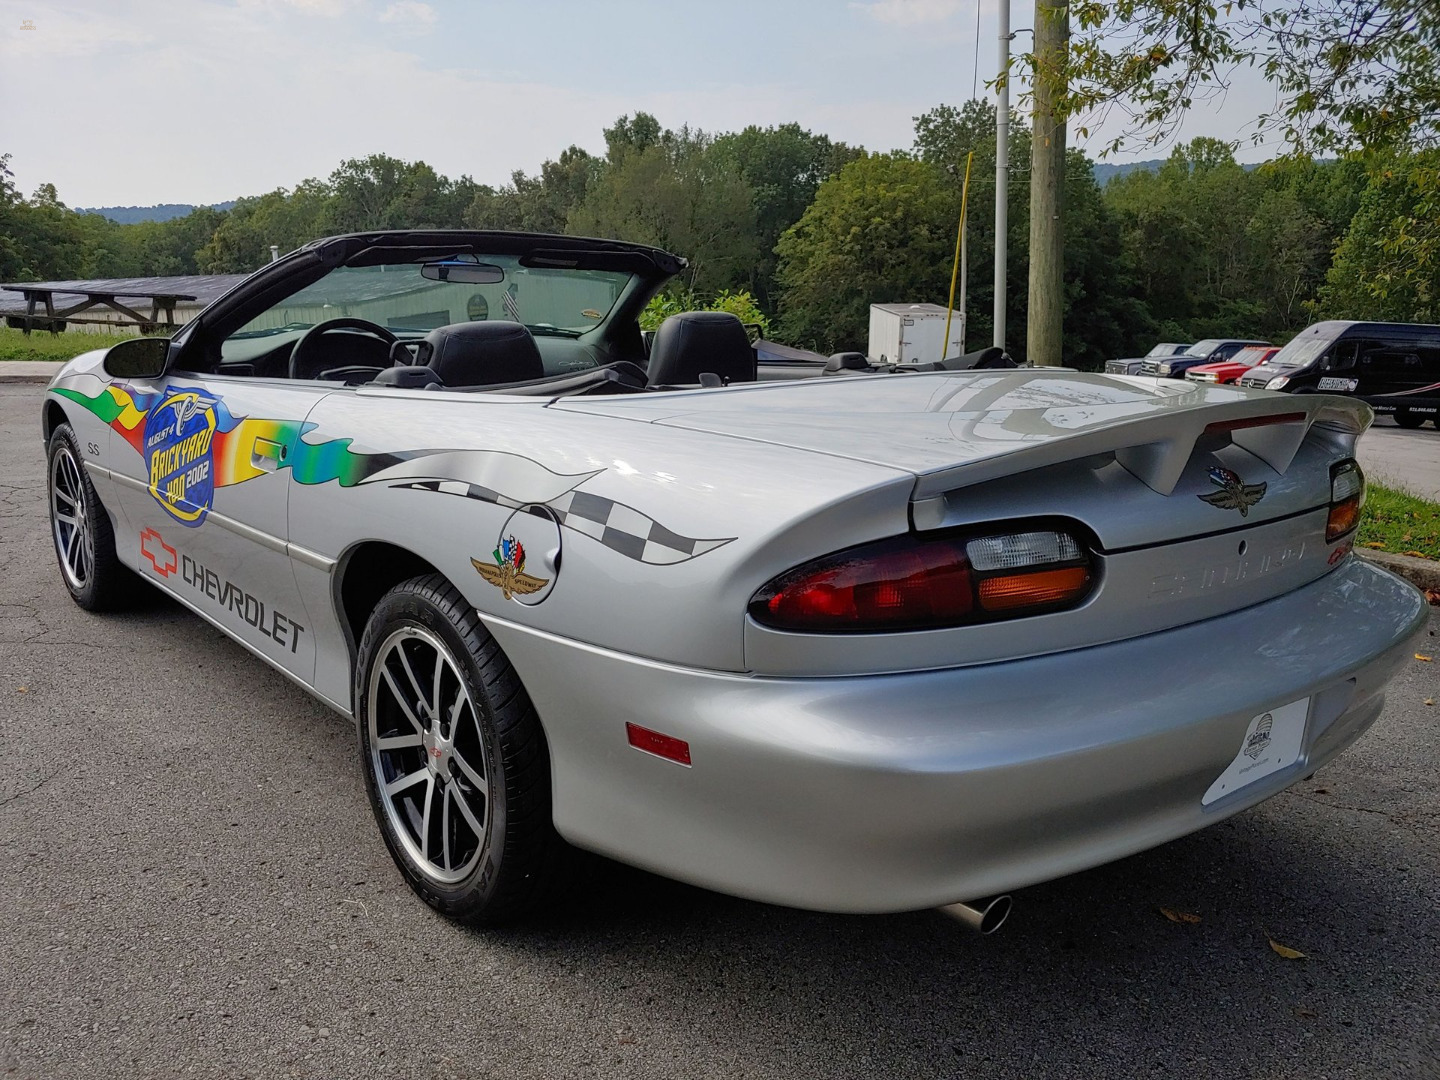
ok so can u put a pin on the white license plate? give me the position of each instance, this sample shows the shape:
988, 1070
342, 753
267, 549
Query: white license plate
1272, 742
1338, 384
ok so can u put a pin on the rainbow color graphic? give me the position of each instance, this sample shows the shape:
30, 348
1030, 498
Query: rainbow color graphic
193, 445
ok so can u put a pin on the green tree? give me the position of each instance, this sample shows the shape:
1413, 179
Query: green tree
1345, 72
673, 194
784, 167
541, 203
1388, 265
878, 232
287, 219
382, 192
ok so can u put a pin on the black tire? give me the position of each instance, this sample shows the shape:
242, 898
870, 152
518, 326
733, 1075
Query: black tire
1408, 420
98, 581
517, 864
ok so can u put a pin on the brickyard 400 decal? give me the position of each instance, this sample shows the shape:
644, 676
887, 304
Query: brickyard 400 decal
193, 445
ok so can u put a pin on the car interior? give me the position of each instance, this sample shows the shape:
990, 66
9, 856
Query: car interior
567, 325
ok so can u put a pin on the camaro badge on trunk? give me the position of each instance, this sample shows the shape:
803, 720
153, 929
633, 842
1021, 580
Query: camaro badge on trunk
1234, 493
508, 574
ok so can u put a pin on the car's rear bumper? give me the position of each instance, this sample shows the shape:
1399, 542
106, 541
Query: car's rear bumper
897, 792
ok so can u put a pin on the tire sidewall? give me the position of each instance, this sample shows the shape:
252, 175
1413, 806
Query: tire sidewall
397, 610
64, 436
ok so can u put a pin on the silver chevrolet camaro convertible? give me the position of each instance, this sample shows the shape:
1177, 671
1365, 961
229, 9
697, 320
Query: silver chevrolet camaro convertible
860, 639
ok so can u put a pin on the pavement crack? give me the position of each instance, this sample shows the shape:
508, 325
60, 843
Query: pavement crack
29, 791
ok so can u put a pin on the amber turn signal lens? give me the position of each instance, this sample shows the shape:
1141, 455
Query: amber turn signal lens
1036, 589
1343, 518
1347, 499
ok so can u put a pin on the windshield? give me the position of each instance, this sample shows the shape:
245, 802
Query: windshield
1300, 352
1204, 348
1165, 348
563, 302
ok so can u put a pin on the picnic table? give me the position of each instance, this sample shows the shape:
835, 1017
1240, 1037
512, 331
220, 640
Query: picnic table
41, 312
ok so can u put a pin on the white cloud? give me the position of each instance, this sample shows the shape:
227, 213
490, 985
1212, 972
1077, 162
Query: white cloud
411, 16
57, 33
330, 9
912, 12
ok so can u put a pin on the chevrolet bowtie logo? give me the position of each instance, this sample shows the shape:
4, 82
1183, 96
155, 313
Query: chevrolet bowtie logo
1234, 493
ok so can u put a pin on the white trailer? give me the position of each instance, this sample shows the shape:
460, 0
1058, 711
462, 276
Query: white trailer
913, 333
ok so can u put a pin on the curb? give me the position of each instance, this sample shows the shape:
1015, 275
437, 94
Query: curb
28, 371
1422, 573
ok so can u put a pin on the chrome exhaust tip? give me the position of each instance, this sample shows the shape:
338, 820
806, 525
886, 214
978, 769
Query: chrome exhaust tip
982, 916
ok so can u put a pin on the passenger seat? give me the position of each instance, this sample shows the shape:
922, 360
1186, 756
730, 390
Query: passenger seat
695, 343
481, 354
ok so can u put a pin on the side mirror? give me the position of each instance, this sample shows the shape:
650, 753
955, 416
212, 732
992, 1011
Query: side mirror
138, 358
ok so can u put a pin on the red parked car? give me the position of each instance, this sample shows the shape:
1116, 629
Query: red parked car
1227, 371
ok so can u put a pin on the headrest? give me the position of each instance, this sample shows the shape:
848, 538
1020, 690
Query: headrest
993, 357
481, 353
694, 342
847, 361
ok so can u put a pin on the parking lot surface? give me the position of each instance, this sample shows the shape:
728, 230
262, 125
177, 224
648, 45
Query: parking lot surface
191, 885
1409, 460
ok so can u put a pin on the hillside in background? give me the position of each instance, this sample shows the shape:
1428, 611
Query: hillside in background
129, 215
1105, 172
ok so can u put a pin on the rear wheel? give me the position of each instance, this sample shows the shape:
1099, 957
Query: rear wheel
81, 530
455, 761
1407, 419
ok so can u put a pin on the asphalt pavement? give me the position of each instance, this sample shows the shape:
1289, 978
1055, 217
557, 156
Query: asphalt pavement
191, 885
1408, 460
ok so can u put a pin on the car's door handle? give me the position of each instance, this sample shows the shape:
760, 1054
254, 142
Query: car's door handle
267, 455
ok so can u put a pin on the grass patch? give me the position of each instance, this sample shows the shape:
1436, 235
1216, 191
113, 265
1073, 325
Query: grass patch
43, 345
1399, 523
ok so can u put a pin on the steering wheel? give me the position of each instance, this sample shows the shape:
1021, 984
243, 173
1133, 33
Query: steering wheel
305, 360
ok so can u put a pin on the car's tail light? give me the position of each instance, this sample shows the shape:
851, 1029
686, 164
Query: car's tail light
916, 583
1347, 499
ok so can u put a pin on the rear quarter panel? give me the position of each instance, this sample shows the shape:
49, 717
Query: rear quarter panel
747, 510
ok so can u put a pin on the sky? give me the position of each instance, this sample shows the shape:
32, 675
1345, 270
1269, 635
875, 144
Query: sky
136, 102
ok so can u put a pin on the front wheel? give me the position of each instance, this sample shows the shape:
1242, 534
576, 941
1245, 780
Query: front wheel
1408, 420
455, 761
79, 526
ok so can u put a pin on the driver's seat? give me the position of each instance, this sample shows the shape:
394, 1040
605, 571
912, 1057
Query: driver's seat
481, 354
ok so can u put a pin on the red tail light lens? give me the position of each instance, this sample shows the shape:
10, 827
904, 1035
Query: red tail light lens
1347, 499
911, 583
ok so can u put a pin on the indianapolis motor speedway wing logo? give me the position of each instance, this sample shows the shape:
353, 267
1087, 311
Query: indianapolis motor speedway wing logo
1234, 493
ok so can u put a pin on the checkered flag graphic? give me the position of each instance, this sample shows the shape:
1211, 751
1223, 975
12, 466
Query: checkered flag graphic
621, 528
626, 530
510, 300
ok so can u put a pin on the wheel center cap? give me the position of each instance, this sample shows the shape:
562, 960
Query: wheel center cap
437, 751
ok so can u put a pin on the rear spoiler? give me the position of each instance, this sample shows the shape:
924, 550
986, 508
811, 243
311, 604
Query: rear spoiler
1155, 447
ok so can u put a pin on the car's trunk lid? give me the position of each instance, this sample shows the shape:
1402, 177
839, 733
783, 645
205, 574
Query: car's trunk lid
964, 434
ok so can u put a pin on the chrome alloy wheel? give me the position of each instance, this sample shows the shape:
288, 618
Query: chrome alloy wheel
428, 754
69, 522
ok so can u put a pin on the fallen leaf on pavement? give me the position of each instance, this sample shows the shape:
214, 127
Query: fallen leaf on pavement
1429, 701
1418, 656
1285, 950
23, 690
1304, 1013
1433, 595
1179, 916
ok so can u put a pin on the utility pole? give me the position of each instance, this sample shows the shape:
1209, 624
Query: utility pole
1046, 307
1002, 175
